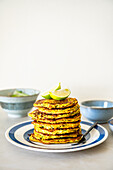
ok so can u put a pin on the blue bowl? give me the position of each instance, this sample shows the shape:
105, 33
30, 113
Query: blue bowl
97, 110
18, 106
111, 124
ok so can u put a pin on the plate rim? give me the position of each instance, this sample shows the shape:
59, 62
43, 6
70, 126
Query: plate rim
52, 150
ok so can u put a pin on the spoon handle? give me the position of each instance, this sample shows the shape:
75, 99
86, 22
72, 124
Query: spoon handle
90, 129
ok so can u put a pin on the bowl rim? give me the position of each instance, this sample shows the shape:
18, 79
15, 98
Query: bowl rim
110, 122
98, 108
37, 93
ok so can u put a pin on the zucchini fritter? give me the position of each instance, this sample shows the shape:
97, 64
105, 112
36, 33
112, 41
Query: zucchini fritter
57, 140
56, 121
37, 115
50, 103
54, 126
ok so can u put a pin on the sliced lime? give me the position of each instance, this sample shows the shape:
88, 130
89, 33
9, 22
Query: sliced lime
46, 95
17, 93
60, 94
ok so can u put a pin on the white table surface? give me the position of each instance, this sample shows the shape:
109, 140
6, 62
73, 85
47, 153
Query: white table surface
15, 158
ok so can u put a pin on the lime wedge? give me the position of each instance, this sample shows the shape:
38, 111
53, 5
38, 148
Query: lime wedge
60, 94
46, 95
17, 93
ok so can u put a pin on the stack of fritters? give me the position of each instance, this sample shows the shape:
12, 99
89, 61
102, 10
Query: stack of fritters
56, 121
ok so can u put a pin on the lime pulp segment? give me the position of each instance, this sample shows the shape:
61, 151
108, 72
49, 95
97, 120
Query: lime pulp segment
60, 94
46, 95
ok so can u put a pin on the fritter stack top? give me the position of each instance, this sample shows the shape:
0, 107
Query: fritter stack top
56, 121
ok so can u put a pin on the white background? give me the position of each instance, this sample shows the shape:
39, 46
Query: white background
43, 42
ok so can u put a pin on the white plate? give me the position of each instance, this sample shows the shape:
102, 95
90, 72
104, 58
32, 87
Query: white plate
19, 136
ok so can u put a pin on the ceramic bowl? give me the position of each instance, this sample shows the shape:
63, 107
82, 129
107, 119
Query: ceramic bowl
97, 110
18, 106
111, 124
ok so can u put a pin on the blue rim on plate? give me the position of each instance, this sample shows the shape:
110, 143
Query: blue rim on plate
19, 136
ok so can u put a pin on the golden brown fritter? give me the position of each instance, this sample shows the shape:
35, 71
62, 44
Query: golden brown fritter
57, 131
56, 141
38, 115
56, 121
52, 104
50, 126
40, 136
58, 111
60, 120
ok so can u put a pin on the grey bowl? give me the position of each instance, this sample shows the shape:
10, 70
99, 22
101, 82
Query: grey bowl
18, 106
97, 110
